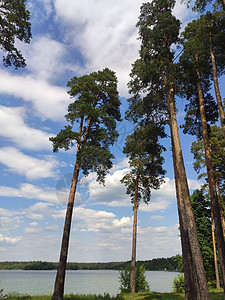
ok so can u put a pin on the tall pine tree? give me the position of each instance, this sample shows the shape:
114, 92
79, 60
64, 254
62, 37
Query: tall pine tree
145, 158
153, 89
96, 110
196, 75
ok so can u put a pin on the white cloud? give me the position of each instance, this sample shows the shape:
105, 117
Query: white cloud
6, 240
105, 33
194, 184
13, 128
39, 210
31, 167
49, 101
94, 232
33, 224
45, 58
53, 227
7, 223
30, 191
32, 230
40, 10
157, 218
159, 241
114, 193
106, 41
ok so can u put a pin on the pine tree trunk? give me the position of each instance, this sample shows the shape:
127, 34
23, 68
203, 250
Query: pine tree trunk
215, 255
189, 272
134, 241
201, 282
216, 87
221, 205
61, 272
211, 180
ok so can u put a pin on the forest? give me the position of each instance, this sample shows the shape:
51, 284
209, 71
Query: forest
156, 264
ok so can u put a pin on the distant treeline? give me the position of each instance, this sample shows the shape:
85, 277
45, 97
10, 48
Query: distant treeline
156, 264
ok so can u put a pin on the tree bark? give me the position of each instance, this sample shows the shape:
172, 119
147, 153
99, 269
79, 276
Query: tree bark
221, 205
134, 241
61, 272
211, 179
216, 87
215, 255
201, 282
189, 272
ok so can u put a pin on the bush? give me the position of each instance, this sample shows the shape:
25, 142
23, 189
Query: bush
141, 285
178, 284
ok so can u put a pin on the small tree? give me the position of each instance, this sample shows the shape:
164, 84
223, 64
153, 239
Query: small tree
144, 153
178, 284
14, 23
141, 284
96, 110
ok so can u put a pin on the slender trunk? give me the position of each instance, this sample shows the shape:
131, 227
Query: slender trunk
211, 179
189, 278
202, 287
61, 272
216, 87
215, 255
221, 205
134, 242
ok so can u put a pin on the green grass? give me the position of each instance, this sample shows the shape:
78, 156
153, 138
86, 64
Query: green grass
214, 295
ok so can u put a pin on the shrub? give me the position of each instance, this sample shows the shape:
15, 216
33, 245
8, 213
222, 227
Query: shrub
141, 285
178, 284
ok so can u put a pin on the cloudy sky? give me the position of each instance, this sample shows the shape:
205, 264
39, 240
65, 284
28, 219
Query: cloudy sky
75, 38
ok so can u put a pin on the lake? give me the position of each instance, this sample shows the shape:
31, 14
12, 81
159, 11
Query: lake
79, 282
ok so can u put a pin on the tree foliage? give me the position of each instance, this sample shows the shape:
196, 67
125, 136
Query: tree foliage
202, 213
217, 145
145, 157
203, 38
96, 105
141, 285
14, 24
178, 284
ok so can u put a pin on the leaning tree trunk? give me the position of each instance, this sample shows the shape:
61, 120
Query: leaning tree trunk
134, 241
61, 272
215, 255
201, 282
211, 180
189, 272
216, 87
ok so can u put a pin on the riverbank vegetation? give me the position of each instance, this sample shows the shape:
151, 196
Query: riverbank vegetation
214, 295
156, 264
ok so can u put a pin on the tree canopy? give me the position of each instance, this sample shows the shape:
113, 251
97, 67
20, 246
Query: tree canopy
96, 110
14, 24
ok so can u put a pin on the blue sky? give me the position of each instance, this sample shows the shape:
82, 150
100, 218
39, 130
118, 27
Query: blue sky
75, 38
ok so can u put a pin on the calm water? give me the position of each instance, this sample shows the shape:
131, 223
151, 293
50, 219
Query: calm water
80, 282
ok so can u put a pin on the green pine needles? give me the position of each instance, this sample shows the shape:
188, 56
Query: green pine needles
96, 110
141, 284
